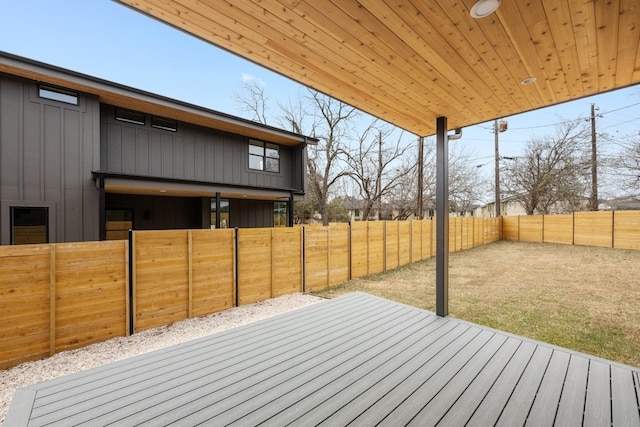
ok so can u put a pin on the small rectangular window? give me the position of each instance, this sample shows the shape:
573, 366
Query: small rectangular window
29, 225
164, 124
280, 214
56, 94
224, 213
130, 116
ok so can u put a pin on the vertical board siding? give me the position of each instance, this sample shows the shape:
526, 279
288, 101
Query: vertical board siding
48, 152
626, 230
213, 270
254, 265
161, 278
594, 229
558, 229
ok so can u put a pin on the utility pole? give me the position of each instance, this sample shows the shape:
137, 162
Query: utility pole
594, 161
420, 176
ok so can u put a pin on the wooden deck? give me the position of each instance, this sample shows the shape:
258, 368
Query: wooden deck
357, 360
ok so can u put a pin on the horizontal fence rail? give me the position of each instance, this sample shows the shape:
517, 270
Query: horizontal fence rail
58, 297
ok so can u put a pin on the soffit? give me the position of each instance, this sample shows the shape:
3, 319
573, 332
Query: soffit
133, 99
411, 61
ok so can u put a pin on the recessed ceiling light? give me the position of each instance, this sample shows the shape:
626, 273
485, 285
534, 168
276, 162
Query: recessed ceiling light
528, 80
484, 8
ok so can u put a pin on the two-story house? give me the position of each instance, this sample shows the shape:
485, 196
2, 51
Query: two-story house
86, 159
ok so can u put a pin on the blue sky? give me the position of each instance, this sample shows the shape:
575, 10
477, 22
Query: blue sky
104, 39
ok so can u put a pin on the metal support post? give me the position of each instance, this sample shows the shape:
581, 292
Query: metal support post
442, 218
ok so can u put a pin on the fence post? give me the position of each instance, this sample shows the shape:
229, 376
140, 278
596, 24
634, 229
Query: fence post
127, 287
303, 242
272, 230
410, 242
350, 252
613, 228
328, 256
235, 267
384, 246
190, 264
132, 282
52, 299
301, 258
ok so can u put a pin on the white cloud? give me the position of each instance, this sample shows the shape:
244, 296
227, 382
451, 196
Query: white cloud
248, 78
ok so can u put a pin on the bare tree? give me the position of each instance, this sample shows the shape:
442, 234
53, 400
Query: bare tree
316, 115
253, 100
627, 167
374, 166
466, 185
333, 121
553, 173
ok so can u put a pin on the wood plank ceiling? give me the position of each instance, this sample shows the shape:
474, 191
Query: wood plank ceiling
411, 61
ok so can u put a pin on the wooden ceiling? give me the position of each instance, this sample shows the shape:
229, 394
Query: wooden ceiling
411, 61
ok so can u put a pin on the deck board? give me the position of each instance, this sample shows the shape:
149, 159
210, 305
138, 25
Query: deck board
357, 360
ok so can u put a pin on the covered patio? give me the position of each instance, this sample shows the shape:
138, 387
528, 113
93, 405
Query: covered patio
430, 68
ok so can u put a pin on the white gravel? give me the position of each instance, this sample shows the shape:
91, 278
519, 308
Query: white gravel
69, 362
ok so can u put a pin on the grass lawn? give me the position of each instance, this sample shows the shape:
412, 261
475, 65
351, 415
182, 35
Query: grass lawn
583, 298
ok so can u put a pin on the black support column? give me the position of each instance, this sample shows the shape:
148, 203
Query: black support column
442, 218
290, 211
102, 210
218, 213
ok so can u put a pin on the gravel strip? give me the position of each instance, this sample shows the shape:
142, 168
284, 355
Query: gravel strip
69, 362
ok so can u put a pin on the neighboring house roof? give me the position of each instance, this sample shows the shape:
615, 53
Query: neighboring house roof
139, 100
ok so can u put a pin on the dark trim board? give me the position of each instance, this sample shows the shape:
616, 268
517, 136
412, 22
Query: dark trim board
357, 360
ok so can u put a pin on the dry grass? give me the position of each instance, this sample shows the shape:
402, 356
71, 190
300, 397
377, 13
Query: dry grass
583, 298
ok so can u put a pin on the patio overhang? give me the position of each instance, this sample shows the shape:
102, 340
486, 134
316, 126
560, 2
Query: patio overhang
410, 62
150, 186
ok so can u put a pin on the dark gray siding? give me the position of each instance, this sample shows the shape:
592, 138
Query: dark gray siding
48, 150
250, 213
160, 212
192, 153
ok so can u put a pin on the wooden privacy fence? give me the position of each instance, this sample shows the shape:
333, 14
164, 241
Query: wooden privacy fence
611, 229
59, 297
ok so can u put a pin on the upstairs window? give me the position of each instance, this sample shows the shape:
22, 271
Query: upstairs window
130, 116
264, 156
164, 124
56, 94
